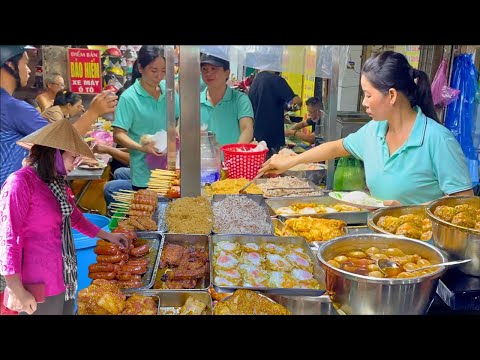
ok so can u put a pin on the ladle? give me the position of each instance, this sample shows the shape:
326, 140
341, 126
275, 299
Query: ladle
391, 268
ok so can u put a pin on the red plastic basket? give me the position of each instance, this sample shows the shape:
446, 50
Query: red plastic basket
242, 164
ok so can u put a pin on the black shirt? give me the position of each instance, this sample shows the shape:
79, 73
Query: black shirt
313, 123
268, 94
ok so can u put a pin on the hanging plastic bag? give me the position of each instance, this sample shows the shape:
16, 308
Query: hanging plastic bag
441, 93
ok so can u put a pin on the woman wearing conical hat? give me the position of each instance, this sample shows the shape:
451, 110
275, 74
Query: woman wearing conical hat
37, 212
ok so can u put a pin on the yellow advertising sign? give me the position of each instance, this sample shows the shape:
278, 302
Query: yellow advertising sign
411, 52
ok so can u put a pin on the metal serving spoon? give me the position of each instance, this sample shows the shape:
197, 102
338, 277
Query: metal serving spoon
391, 268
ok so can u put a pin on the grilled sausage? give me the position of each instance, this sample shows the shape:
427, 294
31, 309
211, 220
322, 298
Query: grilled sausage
107, 250
134, 269
105, 267
140, 250
109, 258
138, 262
102, 275
129, 277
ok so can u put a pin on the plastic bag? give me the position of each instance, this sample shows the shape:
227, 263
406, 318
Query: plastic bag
441, 93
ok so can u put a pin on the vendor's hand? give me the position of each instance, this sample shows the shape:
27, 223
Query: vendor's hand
118, 239
150, 148
392, 203
104, 103
21, 300
100, 148
289, 132
277, 164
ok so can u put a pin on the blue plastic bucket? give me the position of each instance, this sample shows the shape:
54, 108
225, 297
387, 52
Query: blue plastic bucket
84, 246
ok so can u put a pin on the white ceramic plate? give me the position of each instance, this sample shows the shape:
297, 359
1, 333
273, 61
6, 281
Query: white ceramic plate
373, 203
87, 167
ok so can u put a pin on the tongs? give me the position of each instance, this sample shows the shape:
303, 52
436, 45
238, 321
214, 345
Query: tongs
242, 190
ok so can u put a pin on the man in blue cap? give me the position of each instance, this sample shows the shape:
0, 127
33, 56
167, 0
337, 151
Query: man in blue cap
19, 118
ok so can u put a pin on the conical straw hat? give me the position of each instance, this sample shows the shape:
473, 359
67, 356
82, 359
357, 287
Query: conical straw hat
58, 135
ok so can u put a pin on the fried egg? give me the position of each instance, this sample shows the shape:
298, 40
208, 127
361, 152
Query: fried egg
220, 281
255, 277
285, 210
251, 247
277, 263
296, 249
232, 275
280, 279
245, 268
253, 258
273, 249
299, 261
253, 285
308, 284
230, 247
301, 275
307, 211
226, 261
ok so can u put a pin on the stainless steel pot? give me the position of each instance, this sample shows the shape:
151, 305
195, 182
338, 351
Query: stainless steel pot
354, 294
457, 241
395, 211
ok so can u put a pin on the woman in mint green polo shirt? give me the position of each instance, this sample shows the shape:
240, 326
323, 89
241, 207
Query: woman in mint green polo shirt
409, 157
227, 112
141, 110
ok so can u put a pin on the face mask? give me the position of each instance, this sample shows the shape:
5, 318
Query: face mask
59, 164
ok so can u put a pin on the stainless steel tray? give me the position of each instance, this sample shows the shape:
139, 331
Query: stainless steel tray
306, 305
156, 240
350, 217
141, 292
172, 300
165, 216
198, 242
278, 226
160, 213
258, 200
310, 184
318, 273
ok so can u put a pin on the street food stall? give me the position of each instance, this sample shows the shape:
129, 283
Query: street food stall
285, 247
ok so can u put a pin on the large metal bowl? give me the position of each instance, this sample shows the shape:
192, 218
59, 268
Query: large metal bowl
354, 294
395, 211
457, 241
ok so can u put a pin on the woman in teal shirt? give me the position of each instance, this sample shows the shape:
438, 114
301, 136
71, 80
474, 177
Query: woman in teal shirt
227, 112
141, 110
410, 158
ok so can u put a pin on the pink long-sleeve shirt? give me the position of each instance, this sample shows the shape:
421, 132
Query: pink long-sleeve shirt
31, 223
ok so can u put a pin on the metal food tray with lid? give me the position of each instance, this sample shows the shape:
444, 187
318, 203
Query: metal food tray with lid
350, 217
172, 300
310, 184
197, 241
318, 273
258, 199
156, 240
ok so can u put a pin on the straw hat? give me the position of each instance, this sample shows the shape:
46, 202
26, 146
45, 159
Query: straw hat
58, 135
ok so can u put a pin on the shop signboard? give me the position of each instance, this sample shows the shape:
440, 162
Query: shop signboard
84, 70
411, 52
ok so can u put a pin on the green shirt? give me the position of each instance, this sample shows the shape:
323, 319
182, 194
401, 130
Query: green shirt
429, 165
139, 113
223, 119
